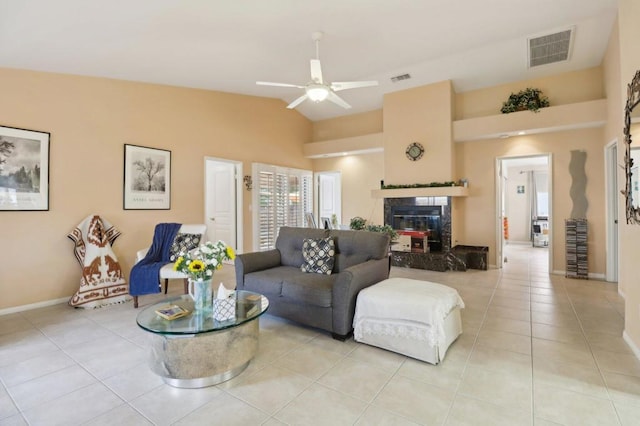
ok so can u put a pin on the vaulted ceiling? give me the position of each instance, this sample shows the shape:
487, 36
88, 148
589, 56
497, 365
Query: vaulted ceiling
228, 45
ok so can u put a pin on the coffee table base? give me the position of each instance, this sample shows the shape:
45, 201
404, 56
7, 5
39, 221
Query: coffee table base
206, 359
205, 381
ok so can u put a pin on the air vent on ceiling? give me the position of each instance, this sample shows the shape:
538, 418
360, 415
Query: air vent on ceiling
550, 48
398, 78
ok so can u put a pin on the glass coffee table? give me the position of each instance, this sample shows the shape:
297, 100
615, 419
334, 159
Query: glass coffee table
197, 351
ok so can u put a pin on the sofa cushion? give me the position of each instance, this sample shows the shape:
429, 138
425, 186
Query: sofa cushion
312, 289
289, 243
269, 281
182, 243
318, 254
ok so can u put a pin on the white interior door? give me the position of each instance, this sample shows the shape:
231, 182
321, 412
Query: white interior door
329, 196
221, 202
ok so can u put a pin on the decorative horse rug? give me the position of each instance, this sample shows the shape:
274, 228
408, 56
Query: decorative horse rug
102, 282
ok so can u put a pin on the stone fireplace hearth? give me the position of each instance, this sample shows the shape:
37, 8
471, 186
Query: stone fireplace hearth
428, 219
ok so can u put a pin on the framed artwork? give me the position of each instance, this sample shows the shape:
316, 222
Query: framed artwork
326, 223
147, 178
24, 169
310, 220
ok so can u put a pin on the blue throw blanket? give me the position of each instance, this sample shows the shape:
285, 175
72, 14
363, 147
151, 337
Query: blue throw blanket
145, 275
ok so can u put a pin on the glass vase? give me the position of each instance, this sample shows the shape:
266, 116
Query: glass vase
202, 295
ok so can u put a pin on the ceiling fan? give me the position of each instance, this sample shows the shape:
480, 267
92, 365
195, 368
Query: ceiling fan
317, 89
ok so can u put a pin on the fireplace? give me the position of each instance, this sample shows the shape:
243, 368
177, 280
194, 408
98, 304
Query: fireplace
424, 219
428, 217
424, 225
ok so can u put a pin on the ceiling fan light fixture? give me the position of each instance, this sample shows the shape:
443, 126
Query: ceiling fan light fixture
317, 92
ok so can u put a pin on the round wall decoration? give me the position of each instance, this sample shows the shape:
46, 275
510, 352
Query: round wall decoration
414, 151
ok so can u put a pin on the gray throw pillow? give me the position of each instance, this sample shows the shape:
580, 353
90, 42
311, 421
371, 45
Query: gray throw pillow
182, 243
318, 255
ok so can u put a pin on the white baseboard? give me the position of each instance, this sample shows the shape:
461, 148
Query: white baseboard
621, 293
30, 306
634, 348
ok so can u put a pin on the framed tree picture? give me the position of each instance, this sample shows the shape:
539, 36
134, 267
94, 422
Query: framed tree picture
147, 178
24, 169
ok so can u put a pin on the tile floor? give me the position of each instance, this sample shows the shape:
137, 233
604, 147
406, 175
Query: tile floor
536, 349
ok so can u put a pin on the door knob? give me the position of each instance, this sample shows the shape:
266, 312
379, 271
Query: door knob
212, 218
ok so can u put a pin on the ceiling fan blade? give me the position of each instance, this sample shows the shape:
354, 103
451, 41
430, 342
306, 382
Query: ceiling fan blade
268, 83
342, 85
316, 71
338, 100
297, 102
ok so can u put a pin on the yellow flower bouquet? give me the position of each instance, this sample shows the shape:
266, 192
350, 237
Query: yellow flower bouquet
200, 263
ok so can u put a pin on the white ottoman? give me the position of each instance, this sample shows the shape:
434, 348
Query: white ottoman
416, 318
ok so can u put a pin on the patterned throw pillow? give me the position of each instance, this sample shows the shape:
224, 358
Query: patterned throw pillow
318, 255
182, 244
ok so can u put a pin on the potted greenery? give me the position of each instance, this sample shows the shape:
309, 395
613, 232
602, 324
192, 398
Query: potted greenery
360, 224
527, 99
357, 223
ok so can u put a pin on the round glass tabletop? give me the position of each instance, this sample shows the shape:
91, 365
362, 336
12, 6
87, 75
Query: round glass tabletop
249, 306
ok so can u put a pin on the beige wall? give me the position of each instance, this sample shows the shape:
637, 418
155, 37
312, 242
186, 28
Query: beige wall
566, 88
348, 126
423, 115
360, 174
476, 160
615, 118
90, 119
628, 18
408, 113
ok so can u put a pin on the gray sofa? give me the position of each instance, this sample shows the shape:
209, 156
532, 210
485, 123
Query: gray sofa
323, 301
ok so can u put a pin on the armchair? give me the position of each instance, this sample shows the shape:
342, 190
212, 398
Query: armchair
166, 272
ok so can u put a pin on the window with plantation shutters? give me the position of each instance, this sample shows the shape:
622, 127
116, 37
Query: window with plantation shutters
306, 194
282, 197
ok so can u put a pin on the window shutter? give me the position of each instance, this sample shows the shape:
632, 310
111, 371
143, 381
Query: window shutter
295, 209
307, 193
266, 229
281, 200
284, 195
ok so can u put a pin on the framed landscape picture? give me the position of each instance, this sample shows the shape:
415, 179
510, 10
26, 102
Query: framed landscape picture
24, 169
147, 178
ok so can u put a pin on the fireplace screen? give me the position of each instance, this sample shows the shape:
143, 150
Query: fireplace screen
420, 218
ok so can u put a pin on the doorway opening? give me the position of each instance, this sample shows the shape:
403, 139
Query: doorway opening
223, 202
523, 200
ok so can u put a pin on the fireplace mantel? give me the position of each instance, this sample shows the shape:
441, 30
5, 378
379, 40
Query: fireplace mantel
440, 191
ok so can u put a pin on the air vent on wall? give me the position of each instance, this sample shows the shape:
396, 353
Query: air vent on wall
550, 48
398, 78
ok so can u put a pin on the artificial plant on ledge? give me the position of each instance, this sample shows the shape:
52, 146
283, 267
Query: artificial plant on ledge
528, 99
421, 185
